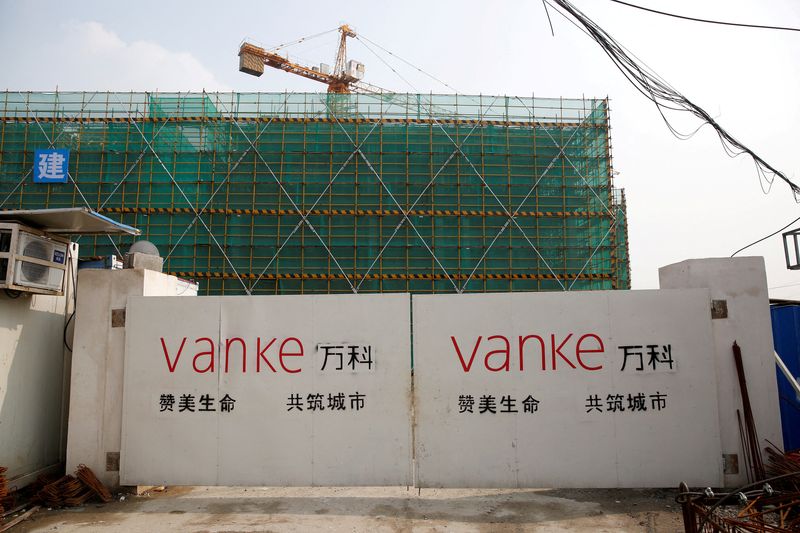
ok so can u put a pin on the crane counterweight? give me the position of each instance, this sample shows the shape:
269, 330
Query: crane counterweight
251, 59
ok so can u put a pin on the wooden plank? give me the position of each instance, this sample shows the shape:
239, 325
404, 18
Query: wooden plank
24, 516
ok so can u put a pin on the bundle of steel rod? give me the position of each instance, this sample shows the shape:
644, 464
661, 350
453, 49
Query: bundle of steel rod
780, 463
88, 478
70, 491
754, 507
53, 495
3, 488
747, 427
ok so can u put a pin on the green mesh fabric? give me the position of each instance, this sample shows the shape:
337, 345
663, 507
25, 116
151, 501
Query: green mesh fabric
317, 193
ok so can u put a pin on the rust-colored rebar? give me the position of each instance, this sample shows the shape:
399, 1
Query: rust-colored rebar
3, 488
759, 472
86, 475
780, 463
50, 494
771, 505
748, 468
80, 498
74, 490
776, 514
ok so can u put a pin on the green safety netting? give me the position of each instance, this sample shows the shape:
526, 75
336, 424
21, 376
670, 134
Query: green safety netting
317, 193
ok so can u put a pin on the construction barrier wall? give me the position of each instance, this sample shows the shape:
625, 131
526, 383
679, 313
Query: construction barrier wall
281, 193
578, 389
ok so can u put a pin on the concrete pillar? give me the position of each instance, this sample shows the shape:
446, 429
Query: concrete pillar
95, 415
742, 284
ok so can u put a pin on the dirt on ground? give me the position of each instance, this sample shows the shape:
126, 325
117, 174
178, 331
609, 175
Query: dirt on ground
373, 510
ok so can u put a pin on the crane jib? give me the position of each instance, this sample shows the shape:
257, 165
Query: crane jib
345, 78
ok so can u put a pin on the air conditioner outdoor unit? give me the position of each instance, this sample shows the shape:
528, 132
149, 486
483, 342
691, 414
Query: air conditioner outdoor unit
31, 260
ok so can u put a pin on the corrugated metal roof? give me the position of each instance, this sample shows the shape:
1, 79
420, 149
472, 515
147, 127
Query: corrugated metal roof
69, 221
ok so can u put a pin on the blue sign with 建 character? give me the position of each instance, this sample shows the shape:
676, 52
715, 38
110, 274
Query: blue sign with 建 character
50, 166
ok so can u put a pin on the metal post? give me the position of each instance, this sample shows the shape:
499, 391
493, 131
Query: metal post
789, 376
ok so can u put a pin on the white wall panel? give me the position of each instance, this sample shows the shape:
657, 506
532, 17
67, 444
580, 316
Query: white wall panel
263, 440
565, 441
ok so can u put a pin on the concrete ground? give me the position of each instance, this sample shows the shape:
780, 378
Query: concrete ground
389, 509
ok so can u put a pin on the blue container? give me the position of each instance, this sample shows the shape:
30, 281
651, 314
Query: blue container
786, 338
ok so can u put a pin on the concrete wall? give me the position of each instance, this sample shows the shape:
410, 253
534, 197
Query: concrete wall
356, 346
34, 371
565, 447
95, 414
742, 283
587, 428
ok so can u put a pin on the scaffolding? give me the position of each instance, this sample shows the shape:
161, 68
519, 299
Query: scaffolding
284, 193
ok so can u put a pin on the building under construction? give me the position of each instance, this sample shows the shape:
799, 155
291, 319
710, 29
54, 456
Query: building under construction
282, 193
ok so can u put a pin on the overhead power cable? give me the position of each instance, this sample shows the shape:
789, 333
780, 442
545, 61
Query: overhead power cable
550, 22
707, 21
765, 238
662, 94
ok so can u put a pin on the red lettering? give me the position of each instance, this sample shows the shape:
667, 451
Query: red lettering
466, 367
170, 365
499, 359
558, 350
261, 355
507, 364
228, 343
579, 351
209, 352
522, 341
282, 354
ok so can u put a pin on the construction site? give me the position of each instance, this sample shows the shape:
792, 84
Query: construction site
362, 309
337, 193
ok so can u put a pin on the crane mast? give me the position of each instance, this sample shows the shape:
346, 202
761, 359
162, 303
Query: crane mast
341, 54
345, 78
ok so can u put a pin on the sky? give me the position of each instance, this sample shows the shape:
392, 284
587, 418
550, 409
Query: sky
686, 198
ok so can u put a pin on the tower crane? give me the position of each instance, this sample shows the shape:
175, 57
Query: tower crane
345, 78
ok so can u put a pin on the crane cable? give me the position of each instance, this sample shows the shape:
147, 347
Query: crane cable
431, 107
301, 39
431, 76
384, 61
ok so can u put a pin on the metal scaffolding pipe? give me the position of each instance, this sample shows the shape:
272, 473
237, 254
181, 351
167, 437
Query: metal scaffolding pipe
789, 376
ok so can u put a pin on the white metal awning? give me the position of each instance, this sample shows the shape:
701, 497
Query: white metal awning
69, 221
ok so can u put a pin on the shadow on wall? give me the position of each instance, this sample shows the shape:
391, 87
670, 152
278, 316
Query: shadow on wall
32, 364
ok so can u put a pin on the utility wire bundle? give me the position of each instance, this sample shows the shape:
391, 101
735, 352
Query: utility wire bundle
663, 95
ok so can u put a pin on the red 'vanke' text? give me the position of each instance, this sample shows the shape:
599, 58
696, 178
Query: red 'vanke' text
562, 351
267, 354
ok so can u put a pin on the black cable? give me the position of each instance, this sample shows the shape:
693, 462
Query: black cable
12, 293
546, 12
74, 277
662, 94
765, 238
66, 326
708, 21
